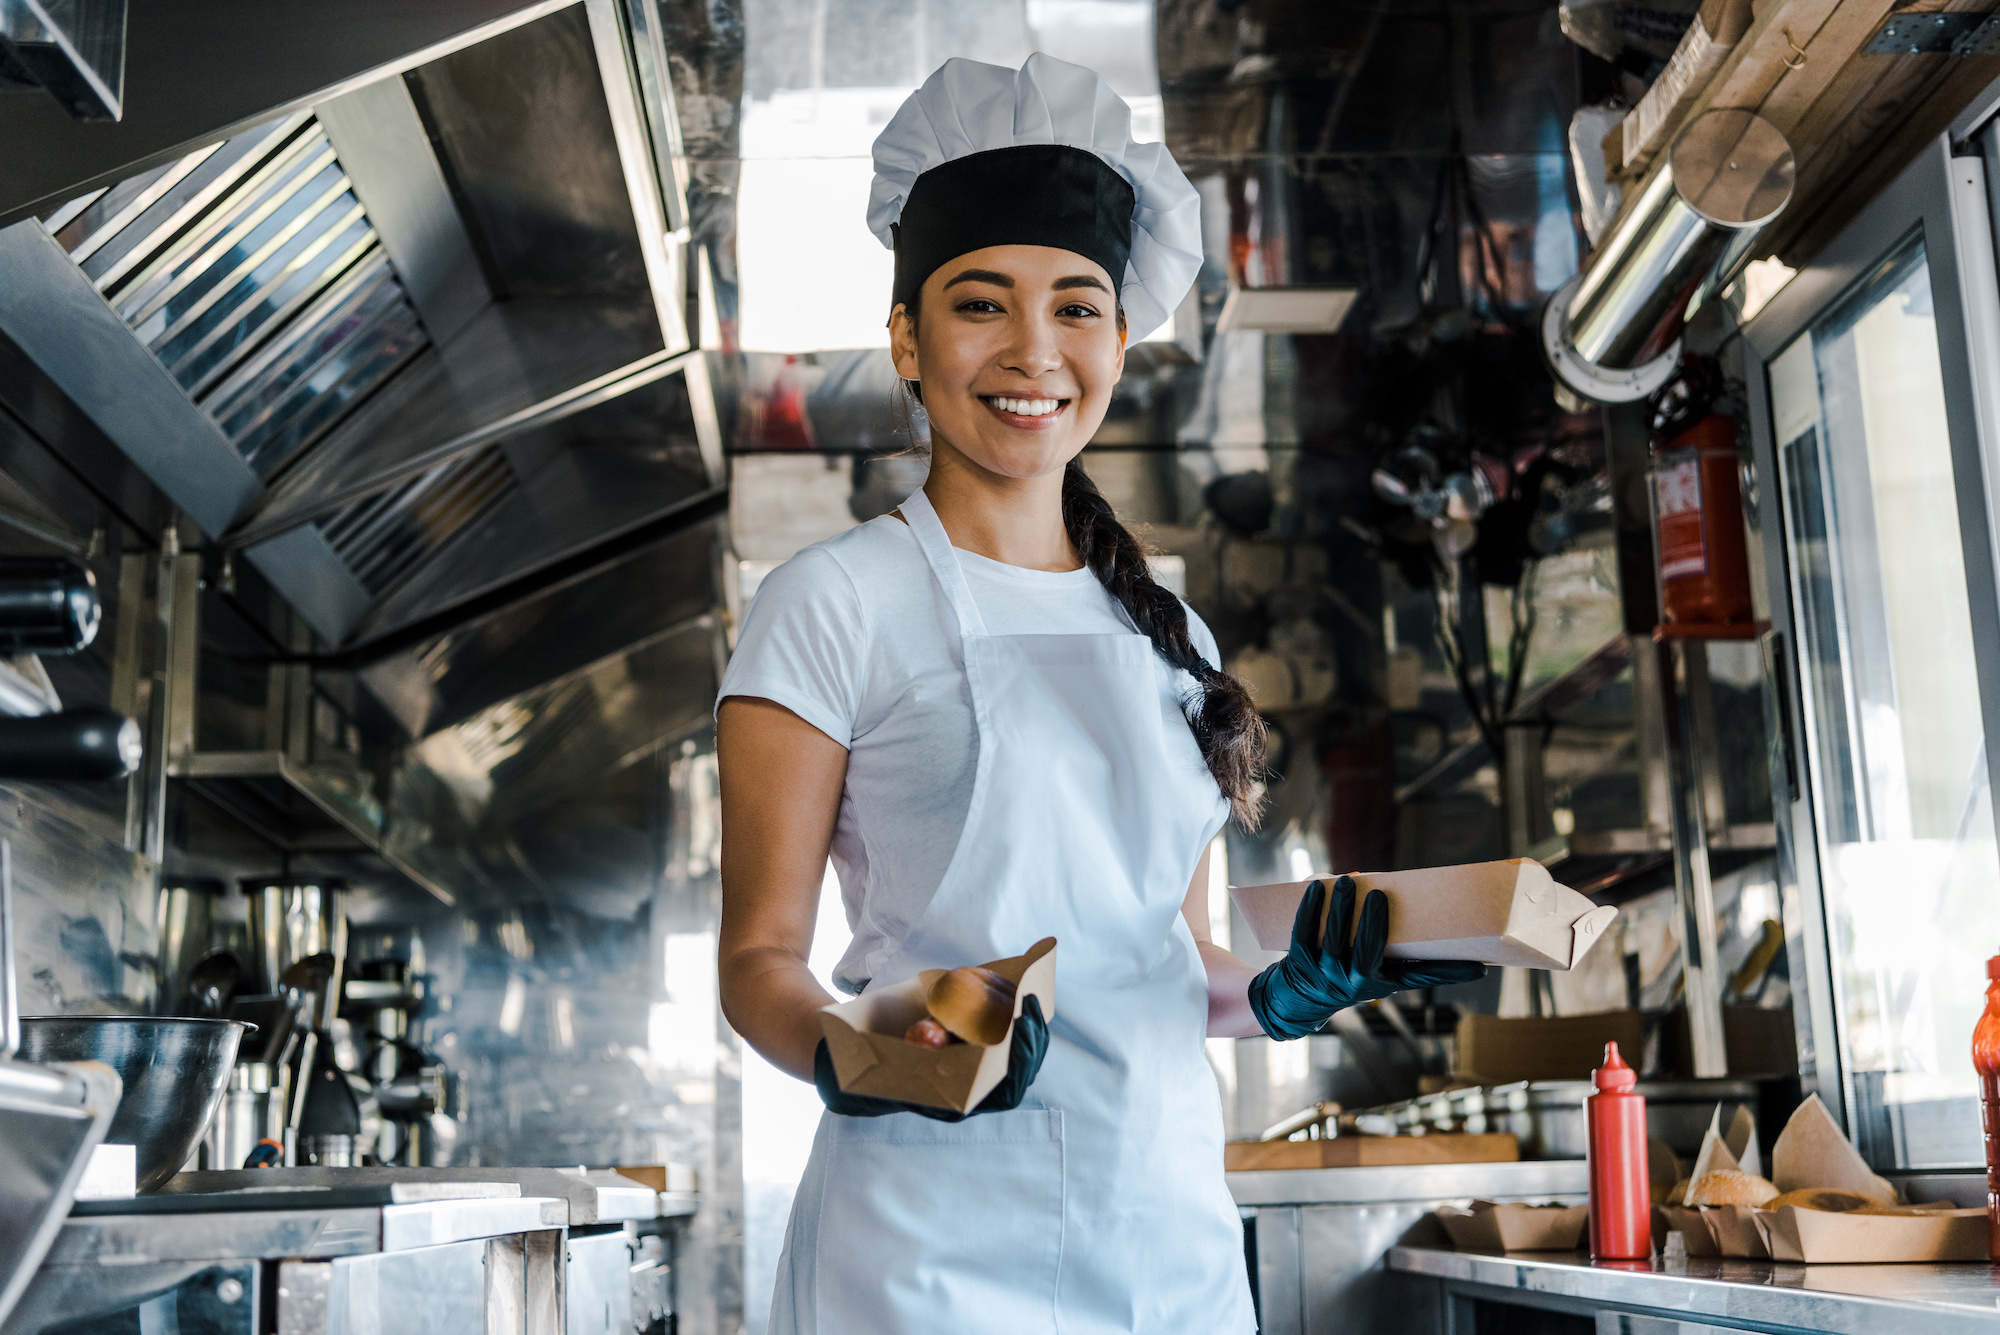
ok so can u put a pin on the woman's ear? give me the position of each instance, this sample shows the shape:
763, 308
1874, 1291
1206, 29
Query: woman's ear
903, 342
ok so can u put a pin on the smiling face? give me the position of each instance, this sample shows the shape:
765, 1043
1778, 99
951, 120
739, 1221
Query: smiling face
1018, 349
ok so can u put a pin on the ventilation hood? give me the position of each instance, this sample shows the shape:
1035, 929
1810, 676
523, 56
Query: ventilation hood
406, 344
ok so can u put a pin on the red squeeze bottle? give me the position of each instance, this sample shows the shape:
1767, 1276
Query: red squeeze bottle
1986, 1061
1621, 1203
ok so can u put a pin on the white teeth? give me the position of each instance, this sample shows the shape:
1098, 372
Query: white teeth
1026, 407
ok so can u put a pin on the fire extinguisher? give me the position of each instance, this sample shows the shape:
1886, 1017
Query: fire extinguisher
1704, 565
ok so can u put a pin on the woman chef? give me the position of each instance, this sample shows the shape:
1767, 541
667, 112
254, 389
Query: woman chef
1001, 728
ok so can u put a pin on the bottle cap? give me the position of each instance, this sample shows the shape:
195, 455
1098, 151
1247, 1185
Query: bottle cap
1614, 1076
1993, 968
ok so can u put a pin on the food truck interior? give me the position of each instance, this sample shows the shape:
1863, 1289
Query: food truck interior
1580, 438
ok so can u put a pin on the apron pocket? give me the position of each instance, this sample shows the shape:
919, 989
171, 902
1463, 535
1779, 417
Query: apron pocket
926, 1224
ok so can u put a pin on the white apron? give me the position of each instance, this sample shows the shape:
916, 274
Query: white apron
1099, 1205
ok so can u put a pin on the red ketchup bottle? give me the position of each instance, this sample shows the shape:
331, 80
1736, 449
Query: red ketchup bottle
1621, 1204
1986, 1061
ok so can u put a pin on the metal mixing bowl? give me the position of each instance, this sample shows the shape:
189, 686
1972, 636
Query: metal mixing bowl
175, 1072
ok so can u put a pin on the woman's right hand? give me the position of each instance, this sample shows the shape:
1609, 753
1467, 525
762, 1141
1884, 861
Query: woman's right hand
1030, 1045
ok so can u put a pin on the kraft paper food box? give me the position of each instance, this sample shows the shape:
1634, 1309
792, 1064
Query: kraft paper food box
1510, 912
1485, 1226
871, 1056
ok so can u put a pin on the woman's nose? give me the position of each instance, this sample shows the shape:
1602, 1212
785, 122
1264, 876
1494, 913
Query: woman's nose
1032, 348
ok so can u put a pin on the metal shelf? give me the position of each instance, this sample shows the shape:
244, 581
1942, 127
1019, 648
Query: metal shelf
294, 806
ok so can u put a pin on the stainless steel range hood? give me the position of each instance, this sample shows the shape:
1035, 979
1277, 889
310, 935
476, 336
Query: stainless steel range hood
356, 336
417, 350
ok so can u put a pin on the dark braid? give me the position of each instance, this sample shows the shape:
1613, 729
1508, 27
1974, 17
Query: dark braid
1225, 721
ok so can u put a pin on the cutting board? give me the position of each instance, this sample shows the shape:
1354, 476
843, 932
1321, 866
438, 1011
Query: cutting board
1244, 1156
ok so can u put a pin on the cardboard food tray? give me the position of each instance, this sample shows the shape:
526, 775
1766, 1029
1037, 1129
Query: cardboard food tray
1821, 1237
1510, 912
1488, 1227
871, 1056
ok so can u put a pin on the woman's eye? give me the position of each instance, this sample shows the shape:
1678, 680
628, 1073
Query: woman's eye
978, 306
1076, 310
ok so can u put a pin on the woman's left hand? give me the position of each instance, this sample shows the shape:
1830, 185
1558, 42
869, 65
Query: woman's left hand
1321, 975
1024, 1061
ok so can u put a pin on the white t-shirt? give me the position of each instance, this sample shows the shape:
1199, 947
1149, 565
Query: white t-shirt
854, 636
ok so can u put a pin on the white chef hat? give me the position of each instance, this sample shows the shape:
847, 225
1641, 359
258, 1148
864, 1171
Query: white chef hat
982, 155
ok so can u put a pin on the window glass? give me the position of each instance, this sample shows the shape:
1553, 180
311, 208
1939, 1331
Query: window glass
1896, 739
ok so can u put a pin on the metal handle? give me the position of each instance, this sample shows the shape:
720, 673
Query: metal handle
10, 1001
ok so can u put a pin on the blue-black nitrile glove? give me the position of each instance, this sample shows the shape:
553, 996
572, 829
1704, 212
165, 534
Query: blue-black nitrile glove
1299, 994
1024, 1062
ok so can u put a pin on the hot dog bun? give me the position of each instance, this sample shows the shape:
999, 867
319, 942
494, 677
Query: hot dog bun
973, 1003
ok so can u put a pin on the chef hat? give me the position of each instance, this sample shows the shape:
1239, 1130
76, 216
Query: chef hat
982, 155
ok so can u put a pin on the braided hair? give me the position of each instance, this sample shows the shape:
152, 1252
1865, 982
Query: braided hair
1225, 721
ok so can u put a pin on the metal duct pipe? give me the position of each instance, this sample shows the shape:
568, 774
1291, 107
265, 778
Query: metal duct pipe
1612, 333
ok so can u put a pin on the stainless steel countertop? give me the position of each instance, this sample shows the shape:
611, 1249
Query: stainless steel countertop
141, 1239
593, 1197
1875, 1299
1414, 1182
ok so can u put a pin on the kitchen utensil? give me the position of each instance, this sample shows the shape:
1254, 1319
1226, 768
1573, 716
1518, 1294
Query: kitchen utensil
272, 1014
291, 919
50, 1121
184, 913
174, 1072
210, 984
246, 1120
308, 987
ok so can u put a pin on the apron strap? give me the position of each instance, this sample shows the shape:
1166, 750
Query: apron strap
936, 547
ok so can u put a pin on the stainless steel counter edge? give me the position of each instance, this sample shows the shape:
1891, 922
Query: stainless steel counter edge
1415, 1182
319, 1234
597, 1197
1876, 1299
435, 1222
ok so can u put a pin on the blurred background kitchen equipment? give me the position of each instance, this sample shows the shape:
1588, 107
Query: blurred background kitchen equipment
174, 1069
185, 918
385, 998
291, 919
50, 1121
48, 605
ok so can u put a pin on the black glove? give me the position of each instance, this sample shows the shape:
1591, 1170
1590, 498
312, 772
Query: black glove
1299, 994
1024, 1061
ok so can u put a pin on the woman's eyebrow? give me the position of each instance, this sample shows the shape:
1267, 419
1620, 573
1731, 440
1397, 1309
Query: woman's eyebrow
983, 276
1078, 280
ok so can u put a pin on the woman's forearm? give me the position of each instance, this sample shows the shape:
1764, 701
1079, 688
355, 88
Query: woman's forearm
771, 998
1229, 1013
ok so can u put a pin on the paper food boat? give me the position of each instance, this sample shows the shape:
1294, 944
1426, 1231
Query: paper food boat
1485, 1226
871, 1056
1510, 912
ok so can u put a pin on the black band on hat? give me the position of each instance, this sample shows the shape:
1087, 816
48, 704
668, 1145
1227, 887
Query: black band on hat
1027, 195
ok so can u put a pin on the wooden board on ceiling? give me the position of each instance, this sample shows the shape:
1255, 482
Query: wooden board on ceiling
1853, 118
